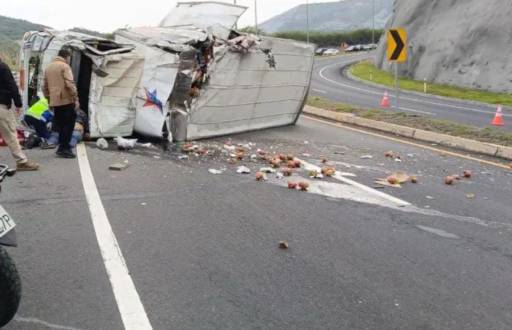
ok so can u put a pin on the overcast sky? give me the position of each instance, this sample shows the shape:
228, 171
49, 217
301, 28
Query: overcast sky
108, 15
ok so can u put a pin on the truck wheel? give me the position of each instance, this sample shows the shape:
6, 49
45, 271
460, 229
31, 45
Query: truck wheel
10, 288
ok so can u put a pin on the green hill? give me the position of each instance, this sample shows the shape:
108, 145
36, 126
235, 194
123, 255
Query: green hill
11, 32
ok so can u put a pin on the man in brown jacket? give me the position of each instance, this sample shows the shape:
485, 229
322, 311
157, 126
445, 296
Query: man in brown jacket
59, 88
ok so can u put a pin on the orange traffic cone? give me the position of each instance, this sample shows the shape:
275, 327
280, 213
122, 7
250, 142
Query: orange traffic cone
498, 118
385, 101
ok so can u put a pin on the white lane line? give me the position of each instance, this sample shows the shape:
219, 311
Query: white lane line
396, 201
319, 91
128, 301
321, 74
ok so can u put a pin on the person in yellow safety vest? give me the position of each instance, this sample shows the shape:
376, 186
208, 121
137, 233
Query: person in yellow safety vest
38, 117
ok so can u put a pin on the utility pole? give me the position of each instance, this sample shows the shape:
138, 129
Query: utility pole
236, 23
373, 22
307, 20
256, 16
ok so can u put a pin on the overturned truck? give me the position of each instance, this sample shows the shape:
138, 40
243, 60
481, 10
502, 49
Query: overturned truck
192, 77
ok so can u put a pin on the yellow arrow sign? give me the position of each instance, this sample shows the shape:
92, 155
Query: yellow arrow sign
397, 45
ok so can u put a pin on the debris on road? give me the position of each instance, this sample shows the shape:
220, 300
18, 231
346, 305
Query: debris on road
243, 170
468, 174
283, 245
214, 171
392, 180
276, 162
287, 172
324, 160
395, 180
118, 167
414, 179
125, 144
367, 157
292, 185
260, 176
267, 170
101, 143
449, 180
430, 197
470, 196
145, 145
304, 186
315, 175
328, 171
183, 157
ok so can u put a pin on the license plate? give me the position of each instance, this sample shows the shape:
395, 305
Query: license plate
6, 222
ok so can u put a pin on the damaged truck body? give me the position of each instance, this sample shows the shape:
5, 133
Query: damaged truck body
192, 77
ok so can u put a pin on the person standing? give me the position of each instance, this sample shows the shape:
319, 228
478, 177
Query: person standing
9, 92
60, 89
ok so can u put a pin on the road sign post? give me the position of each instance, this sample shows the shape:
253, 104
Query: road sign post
397, 52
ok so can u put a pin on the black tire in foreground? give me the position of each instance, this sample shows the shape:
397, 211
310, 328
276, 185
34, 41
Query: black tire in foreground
10, 288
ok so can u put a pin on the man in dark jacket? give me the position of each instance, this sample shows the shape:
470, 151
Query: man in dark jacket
9, 92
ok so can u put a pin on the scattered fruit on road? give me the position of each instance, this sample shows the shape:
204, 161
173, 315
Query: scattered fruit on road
260, 176
284, 245
449, 180
304, 186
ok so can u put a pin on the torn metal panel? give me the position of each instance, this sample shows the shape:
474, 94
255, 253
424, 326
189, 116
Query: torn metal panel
158, 78
204, 15
112, 98
243, 93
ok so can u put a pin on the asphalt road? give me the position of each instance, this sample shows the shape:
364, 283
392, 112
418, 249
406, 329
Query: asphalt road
330, 82
202, 249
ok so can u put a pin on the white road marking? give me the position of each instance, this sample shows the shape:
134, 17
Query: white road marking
438, 232
321, 73
319, 91
374, 193
128, 301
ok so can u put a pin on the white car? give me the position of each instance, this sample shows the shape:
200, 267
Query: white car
330, 52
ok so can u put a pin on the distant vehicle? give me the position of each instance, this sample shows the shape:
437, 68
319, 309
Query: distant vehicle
320, 51
369, 47
358, 48
330, 52
350, 49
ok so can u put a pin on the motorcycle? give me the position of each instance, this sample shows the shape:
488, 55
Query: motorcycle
10, 283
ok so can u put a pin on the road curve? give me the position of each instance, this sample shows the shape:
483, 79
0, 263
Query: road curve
329, 82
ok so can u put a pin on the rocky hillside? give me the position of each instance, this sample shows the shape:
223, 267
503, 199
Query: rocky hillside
345, 15
460, 42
